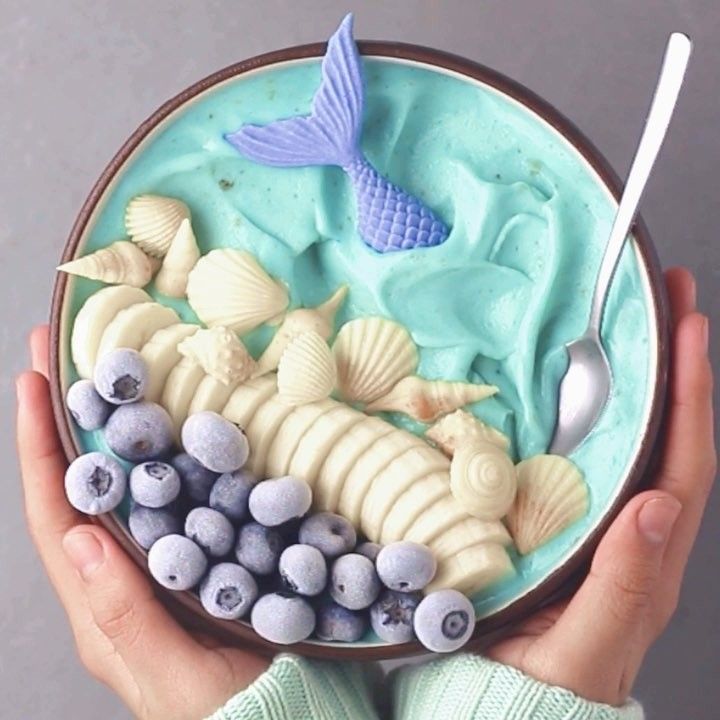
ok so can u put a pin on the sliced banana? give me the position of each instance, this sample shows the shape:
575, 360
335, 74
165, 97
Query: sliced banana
466, 533
161, 355
247, 398
92, 319
135, 325
211, 394
261, 431
472, 569
182, 382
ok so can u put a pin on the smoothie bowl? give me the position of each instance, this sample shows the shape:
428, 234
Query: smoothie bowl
404, 366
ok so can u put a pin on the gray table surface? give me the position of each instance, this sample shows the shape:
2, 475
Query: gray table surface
77, 76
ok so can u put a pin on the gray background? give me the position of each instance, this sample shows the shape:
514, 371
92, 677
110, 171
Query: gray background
76, 77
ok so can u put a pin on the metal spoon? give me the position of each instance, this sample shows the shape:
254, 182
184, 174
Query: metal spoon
586, 385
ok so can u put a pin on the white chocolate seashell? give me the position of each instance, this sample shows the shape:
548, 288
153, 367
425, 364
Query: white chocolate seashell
221, 354
306, 372
121, 263
181, 257
551, 496
320, 319
372, 354
152, 221
483, 480
463, 427
228, 287
427, 400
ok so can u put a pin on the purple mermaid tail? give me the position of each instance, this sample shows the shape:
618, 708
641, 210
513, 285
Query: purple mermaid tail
388, 217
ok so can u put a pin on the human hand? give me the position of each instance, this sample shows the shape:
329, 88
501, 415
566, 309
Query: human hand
594, 644
124, 636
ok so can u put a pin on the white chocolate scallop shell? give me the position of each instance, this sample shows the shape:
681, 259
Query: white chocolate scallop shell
427, 400
180, 259
228, 287
161, 355
551, 496
221, 354
152, 221
121, 263
462, 427
372, 354
306, 372
483, 480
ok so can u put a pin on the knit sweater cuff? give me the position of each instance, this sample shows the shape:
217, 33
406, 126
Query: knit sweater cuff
293, 687
466, 687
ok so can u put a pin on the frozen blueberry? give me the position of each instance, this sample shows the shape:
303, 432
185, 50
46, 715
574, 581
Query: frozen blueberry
369, 549
88, 409
147, 525
338, 624
95, 483
273, 502
230, 494
283, 618
154, 484
303, 569
444, 620
331, 534
405, 566
176, 562
140, 431
211, 530
391, 616
228, 591
215, 442
354, 584
258, 548
197, 481
121, 376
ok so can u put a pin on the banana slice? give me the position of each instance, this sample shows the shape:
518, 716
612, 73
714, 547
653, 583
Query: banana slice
468, 532
261, 431
247, 398
367, 466
94, 316
161, 355
472, 569
393, 481
135, 325
211, 394
179, 389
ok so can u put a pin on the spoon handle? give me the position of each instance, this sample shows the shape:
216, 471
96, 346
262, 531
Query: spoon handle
674, 65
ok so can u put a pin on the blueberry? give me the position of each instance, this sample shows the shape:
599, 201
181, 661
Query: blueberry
138, 432
228, 591
331, 534
88, 409
176, 562
211, 530
230, 494
303, 569
338, 624
197, 481
444, 620
354, 584
121, 376
369, 549
405, 566
95, 483
273, 502
258, 548
154, 484
283, 618
391, 616
215, 442
147, 525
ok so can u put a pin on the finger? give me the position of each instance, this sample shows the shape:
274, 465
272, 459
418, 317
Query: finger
40, 349
681, 291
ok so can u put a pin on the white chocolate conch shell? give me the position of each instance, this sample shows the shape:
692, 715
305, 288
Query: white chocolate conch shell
221, 354
462, 427
121, 263
306, 372
228, 287
551, 496
320, 319
427, 400
372, 354
181, 257
483, 480
152, 221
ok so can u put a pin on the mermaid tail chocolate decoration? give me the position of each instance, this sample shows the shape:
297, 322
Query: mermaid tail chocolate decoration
388, 217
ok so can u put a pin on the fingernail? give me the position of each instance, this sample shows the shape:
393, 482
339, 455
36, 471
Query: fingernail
657, 517
84, 551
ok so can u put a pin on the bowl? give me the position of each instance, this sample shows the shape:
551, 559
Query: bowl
552, 576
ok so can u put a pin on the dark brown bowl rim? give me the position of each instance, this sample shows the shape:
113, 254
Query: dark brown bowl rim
185, 604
